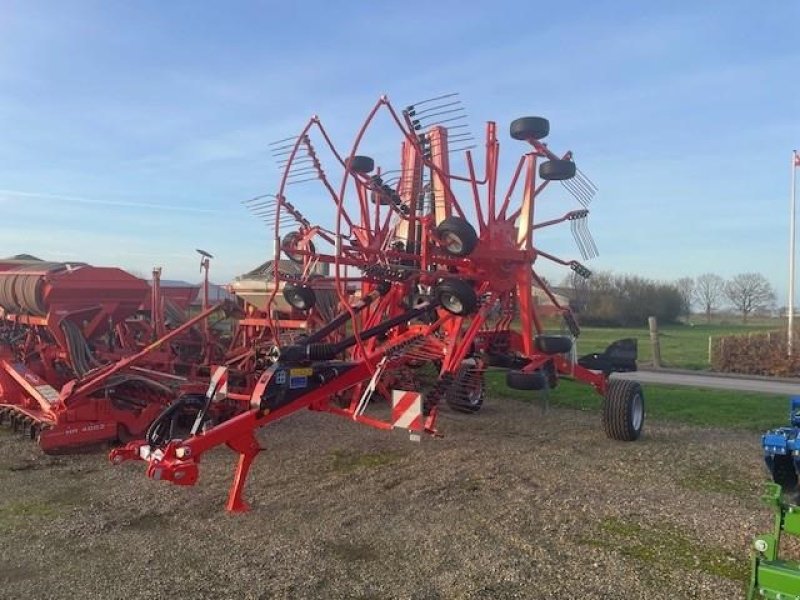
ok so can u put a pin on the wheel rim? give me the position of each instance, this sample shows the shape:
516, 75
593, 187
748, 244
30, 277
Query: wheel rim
474, 396
637, 412
452, 304
297, 301
453, 243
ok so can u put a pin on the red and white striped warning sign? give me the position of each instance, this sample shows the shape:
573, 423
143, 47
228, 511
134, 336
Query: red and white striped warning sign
219, 383
407, 410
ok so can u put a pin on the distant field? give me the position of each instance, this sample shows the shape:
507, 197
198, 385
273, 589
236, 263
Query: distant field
682, 346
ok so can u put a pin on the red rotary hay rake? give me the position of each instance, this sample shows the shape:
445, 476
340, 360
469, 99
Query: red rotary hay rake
427, 301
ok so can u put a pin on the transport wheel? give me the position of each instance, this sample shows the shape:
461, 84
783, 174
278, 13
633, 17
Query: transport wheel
291, 241
517, 380
557, 170
299, 297
360, 164
468, 397
623, 410
380, 198
458, 237
530, 128
553, 344
783, 473
457, 297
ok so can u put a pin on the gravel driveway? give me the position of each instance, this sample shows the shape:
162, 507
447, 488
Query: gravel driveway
510, 504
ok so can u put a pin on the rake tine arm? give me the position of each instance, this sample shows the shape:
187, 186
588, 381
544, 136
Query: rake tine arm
572, 215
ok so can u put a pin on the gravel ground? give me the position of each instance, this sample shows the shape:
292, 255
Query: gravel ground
510, 504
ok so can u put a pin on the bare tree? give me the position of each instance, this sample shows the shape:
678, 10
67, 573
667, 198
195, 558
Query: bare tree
749, 291
685, 287
708, 291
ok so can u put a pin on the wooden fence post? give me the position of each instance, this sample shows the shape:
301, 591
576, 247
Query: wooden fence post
710, 348
654, 341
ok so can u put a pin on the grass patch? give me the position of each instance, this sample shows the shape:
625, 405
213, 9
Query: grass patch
692, 406
26, 508
667, 547
73, 495
717, 478
13, 514
345, 461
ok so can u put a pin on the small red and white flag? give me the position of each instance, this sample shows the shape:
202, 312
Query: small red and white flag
218, 387
796, 159
407, 412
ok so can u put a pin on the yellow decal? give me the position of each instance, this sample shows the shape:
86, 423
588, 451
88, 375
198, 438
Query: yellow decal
304, 372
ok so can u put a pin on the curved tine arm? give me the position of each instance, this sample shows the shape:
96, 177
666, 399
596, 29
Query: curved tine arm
570, 216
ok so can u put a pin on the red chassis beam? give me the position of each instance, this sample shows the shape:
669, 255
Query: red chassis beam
179, 460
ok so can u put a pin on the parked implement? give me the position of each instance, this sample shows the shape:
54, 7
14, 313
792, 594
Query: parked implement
78, 363
772, 577
433, 273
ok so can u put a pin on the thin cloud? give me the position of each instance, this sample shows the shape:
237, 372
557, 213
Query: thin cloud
16, 194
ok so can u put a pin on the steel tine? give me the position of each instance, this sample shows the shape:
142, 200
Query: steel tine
250, 200
578, 240
462, 149
302, 171
427, 100
282, 153
276, 148
573, 189
458, 118
577, 194
444, 112
586, 178
585, 185
302, 181
432, 108
298, 160
591, 246
294, 137
261, 205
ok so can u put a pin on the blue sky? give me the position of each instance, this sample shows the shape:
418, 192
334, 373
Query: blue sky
131, 131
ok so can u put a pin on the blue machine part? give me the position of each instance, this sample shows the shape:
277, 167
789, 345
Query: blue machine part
782, 448
794, 411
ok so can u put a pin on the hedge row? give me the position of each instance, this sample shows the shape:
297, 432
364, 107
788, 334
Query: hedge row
755, 354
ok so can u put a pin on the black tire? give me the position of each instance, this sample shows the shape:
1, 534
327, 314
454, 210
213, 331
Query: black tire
468, 398
458, 236
360, 164
457, 297
783, 473
380, 198
517, 380
553, 344
299, 297
557, 170
623, 410
289, 242
530, 128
